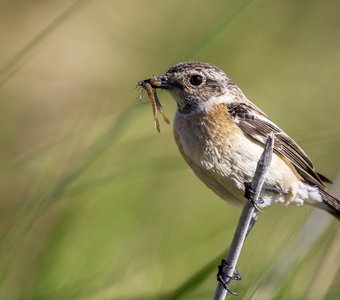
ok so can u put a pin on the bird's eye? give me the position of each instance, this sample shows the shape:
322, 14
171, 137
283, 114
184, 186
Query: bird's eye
196, 80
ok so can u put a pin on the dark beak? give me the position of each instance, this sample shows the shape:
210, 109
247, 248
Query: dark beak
157, 82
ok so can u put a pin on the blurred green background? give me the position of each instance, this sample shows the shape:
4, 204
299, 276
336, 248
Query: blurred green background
95, 204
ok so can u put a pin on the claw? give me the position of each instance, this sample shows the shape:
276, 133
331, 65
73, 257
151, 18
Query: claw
237, 275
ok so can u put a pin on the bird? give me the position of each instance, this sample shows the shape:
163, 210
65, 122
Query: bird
221, 135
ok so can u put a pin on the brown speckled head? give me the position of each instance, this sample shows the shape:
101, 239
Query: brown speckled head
192, 84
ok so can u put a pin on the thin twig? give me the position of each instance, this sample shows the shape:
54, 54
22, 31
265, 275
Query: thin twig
246, 215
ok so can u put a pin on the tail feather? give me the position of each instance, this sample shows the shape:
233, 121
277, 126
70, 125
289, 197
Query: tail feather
324, 178
333, 204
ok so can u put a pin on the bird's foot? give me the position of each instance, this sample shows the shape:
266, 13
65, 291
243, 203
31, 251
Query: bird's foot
225, 279
237, 275
249, 194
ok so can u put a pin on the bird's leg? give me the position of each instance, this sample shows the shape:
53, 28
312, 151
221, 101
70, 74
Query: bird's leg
221, 274
249, 195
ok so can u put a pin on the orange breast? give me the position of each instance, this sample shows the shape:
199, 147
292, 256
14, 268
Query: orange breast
209, 129
201, 138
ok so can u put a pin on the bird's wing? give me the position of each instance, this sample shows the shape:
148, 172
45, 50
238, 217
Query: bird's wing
256, 124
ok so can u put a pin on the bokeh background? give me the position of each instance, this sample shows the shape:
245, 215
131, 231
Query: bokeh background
95, 204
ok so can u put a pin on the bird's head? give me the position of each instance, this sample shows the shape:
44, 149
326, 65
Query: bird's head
194, 85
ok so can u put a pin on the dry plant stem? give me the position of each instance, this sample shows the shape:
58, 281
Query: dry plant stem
246, 216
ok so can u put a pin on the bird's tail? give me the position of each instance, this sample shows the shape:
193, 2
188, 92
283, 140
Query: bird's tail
332, 203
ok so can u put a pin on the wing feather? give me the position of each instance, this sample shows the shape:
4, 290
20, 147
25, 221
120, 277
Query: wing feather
256, 124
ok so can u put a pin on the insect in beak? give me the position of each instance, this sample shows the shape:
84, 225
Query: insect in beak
150, 86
